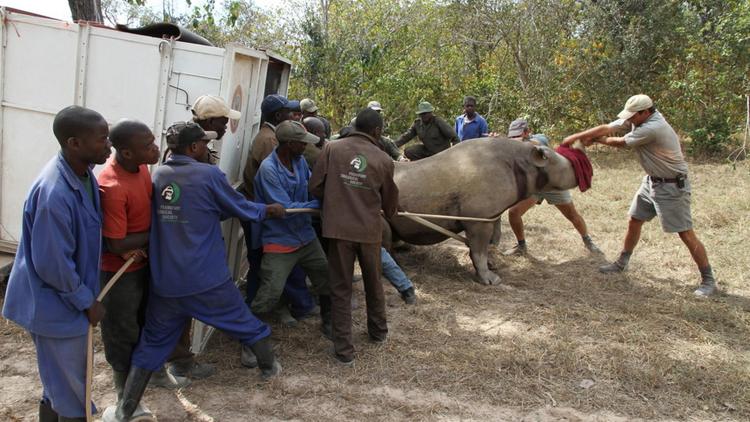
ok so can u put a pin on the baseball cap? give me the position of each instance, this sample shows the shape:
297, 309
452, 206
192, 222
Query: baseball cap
308, 105
517, 128
374, 105
273, 102
292, 130
185, 133
208, 106
425, 107
635, 104
294, 105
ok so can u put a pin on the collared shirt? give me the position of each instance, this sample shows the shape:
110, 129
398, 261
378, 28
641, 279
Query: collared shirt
265, 142
274, 183
467, 128
656, 144
436, 136
55, 274
186, 248
354, 178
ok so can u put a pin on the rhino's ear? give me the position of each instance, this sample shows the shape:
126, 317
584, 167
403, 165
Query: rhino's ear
540, 156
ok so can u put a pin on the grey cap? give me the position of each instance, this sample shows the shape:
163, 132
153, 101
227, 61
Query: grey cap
292, 130
517, 128
375, 105
307, 105
185, 133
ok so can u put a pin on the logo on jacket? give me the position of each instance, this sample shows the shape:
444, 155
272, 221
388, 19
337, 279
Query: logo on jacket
359, 163
171, 193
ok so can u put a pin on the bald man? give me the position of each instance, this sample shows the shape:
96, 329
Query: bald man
55, 278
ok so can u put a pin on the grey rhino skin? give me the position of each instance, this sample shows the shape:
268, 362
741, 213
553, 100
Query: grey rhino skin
477, 178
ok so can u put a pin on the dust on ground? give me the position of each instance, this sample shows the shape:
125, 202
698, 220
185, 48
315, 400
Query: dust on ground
556, 341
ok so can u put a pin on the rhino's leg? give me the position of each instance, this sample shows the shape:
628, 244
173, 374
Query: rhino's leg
495, 240
479, 235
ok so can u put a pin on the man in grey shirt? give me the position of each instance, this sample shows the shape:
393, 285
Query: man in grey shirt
664, 191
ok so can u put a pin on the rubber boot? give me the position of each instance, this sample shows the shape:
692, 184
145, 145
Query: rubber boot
118, 379
46, 414
269, 366
132, 393
325, 317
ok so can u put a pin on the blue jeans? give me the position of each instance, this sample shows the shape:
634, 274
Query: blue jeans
393, 272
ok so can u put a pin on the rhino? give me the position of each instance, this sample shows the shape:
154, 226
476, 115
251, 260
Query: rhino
476, 178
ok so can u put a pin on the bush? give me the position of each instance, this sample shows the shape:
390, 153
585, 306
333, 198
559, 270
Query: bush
710, 140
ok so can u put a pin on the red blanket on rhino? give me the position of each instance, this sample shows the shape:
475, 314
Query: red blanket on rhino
581, 165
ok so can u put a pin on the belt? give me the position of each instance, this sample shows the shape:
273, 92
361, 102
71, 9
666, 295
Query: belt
664, 180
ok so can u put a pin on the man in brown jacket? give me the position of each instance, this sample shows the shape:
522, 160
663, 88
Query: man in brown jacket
354, 179
435, 133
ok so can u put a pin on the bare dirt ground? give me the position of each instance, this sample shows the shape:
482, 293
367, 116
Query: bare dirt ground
556, 341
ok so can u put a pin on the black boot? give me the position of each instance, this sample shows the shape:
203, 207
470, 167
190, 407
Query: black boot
64, 419
325, 317
132, 393
118, 379
46, 414
269, 366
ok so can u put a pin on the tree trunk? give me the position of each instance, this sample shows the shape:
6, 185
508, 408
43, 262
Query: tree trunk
86, 10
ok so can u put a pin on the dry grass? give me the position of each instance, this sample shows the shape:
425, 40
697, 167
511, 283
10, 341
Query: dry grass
519, 351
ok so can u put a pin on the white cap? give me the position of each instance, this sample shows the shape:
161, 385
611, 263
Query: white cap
307, 105
208, 106
374, 105
635, 104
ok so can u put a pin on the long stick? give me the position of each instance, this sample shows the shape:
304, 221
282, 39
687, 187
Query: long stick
437, 228
90, 338
406, 214
449, 217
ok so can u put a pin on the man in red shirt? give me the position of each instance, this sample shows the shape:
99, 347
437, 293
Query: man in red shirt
125, 189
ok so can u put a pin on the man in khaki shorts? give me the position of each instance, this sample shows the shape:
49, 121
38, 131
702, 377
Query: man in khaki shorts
561, 199
664, 191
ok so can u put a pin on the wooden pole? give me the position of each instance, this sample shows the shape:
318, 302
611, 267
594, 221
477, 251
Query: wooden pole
90, 338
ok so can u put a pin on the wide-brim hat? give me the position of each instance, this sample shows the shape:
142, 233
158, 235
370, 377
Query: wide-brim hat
425, 107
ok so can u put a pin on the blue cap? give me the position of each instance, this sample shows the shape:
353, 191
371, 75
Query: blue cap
294, 106
273, 102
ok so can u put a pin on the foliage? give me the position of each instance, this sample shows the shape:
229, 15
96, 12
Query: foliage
565, 65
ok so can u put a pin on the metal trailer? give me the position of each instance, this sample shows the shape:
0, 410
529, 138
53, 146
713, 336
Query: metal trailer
48, 64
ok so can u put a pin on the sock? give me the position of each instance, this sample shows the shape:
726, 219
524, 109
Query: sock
522, 243
624, 258
707, 275
587, 239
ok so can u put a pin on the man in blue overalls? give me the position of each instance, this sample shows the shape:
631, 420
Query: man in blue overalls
190, 277
55, 278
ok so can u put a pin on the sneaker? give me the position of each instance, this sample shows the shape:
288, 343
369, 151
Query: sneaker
591, 246
614, 267
163, 379
248, 358
409, 296
191, 369
340, 359
706, 288
518, 250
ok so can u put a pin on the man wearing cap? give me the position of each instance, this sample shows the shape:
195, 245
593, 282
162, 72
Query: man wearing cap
309, 109
561, 199
435, 133
275, 109
282, 178
471, 125
355, 172
294, 107
664, 191
212, 114
190, 277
